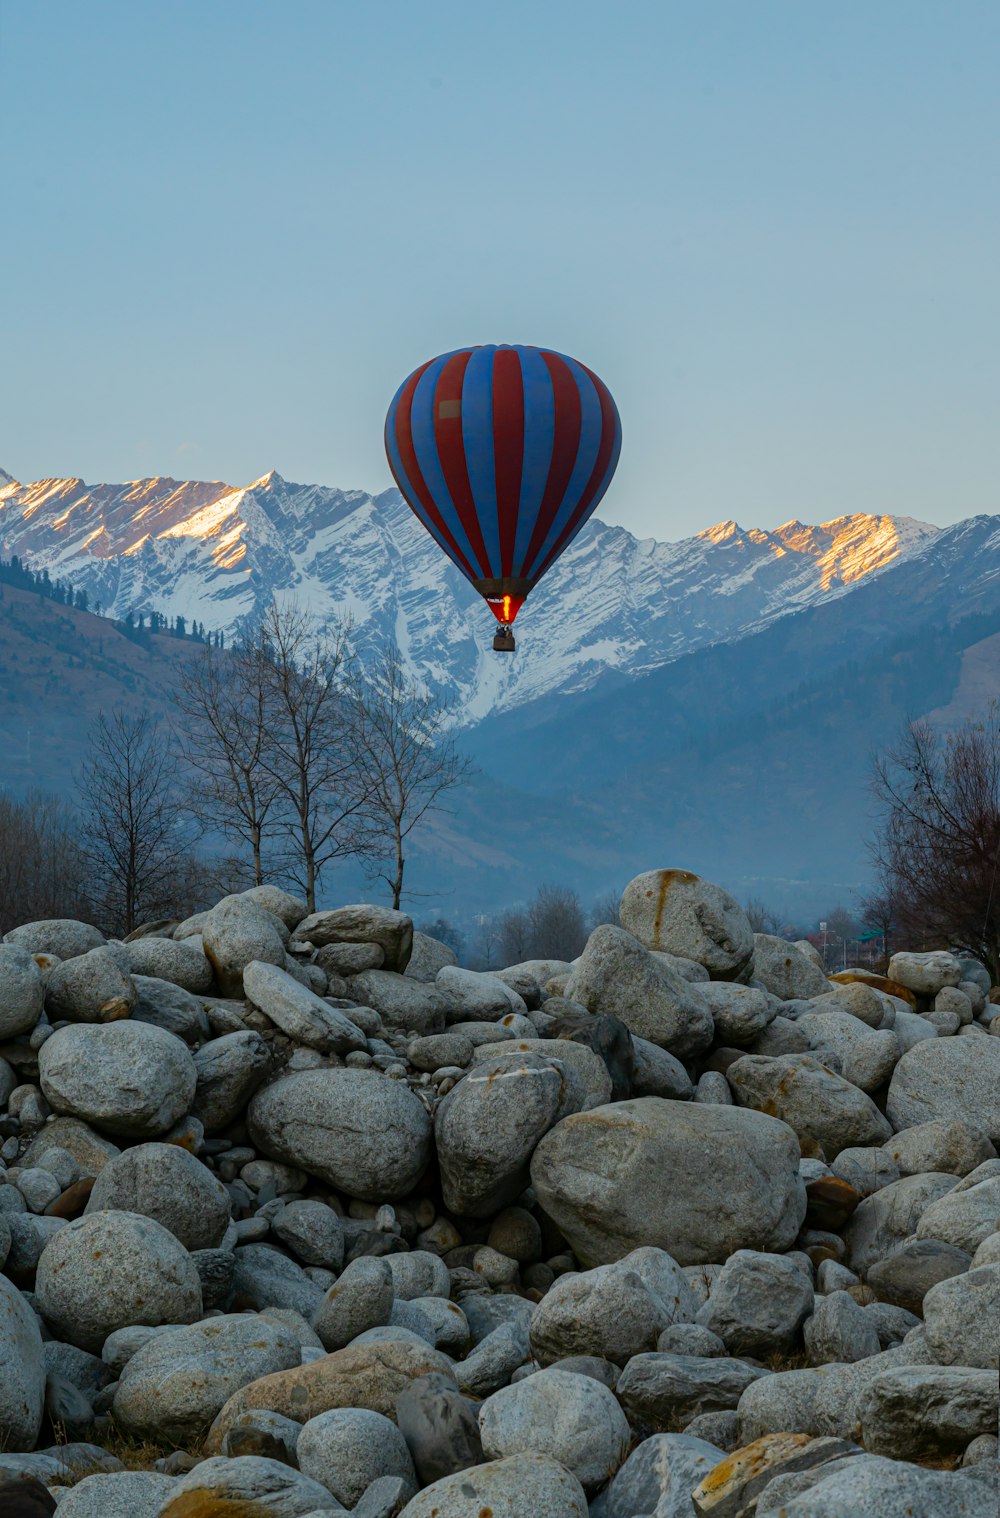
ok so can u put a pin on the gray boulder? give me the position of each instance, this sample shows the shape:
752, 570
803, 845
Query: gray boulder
617, 976
440, 1428
659, 1475
867, 1056
591, 1069
234, 934
968, 1214
183, 964
165, 1182
677, 912
175, 1384
348, 1448
298, 1012
635, 1173
867, 1169
118, 1494
942, 1144
919, 1412
927, 974
962, 1318
361, 1299
93, 988
881, 1223
428, 956
758, 1304
472, 995
110, 1270
22, 1383
877, 1488
573, 1418
251, 1484
905, 1276
740, 1013
840, 1331
401, 1001
355, 1129
65, 937
125, 1077
313, 1232
22, 991
785, 971
657, 1073
171, 1007
779, 1404
957, 1078
488, 1125
611, 1312
228, 1070
499, 1488
659, 1390
263, 1278
291, 909
362, 923
818, 1104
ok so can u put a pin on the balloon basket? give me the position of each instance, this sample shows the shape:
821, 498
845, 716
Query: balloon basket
503, 641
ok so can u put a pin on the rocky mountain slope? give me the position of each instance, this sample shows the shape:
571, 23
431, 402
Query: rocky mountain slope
613, 608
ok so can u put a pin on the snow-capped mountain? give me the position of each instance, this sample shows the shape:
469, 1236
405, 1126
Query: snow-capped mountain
613, 607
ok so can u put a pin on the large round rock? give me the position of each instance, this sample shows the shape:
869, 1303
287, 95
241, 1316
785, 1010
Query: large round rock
113, 1270
165, 1182
357, 1130
487, 1127
127, 1077
22, 1371
617, 976
556, 1412
696, 1180
511, 1488
679, 913
952, 1077
175, 1383
22, 991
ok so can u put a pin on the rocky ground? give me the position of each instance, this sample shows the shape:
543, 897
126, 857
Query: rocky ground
303, 1219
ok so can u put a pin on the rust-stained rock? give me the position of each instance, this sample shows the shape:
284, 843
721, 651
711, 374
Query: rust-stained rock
830, 1202
732, 1488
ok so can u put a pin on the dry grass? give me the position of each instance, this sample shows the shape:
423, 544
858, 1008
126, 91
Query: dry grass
135, 1454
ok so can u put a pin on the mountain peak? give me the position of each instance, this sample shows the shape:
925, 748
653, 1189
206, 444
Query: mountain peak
722, 532
6, 479
268, 481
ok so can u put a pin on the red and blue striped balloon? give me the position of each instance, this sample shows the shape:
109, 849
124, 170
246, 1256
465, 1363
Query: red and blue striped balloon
503, 453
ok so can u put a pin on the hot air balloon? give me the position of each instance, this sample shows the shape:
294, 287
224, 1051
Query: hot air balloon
503, 453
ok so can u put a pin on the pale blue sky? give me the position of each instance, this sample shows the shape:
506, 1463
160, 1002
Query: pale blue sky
230, 228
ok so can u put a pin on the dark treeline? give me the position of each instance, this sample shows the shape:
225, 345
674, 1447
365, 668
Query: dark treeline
137, 626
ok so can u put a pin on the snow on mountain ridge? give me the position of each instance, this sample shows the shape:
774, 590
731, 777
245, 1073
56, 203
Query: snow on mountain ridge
612, 607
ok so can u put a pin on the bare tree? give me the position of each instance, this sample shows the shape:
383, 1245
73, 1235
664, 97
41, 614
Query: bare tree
42, 867
937, 848
607, 909
516, 936
226, 697
760, 916
559, 929
486, 943
407, 759
130, 823
311, 753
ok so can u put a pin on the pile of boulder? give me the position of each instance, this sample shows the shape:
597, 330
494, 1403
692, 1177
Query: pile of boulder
298, 1217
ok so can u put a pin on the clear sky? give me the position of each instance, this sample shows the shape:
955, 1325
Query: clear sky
230, 228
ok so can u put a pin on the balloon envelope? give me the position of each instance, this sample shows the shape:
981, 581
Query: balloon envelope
503, 453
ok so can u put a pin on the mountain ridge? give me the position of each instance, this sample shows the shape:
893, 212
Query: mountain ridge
613, 607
